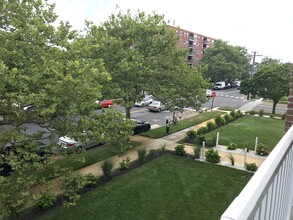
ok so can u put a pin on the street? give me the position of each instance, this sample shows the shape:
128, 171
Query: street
229, 98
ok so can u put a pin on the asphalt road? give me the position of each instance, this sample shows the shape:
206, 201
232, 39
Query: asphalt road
230, 98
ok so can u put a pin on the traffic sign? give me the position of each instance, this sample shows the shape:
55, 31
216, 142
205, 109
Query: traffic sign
214, 94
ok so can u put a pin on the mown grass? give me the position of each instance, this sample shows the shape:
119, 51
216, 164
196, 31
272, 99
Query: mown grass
169, 187
182, 124
244, 131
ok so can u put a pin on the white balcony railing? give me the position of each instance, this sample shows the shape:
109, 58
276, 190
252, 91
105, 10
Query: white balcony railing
268, 195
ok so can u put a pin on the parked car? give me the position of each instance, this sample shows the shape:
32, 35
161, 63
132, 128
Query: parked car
66, 142
145, 101
105, 103
208, 93
30, 107
141, 126
156, 106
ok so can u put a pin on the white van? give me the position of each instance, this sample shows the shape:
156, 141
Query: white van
220, 85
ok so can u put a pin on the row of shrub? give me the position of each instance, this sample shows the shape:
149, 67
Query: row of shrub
261, 113
197, 137
212, 156
73, 181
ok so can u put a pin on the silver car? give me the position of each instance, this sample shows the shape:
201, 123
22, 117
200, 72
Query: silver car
156, 106
145, 101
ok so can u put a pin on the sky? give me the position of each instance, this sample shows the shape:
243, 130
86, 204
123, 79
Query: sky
262, 26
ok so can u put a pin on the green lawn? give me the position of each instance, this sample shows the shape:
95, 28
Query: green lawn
244, 131
182, 124
169, 187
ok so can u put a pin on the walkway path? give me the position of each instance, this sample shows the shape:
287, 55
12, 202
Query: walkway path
249, 106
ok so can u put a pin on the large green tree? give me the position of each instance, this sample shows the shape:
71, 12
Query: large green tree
248, 87
272, 80
142, 55
225, 62
45, 66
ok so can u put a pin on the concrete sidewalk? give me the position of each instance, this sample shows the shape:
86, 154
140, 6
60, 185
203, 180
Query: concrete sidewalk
249, 106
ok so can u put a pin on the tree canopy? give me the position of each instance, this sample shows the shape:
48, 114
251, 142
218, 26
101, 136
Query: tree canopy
44, 66
141, 54
272, 80
225, 62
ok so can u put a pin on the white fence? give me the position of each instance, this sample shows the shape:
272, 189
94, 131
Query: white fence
269, 193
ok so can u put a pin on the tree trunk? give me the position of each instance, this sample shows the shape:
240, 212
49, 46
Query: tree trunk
13, 214
127, 111
248, 96
274, 107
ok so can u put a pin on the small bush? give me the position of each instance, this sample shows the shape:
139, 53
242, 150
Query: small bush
233, 114
197, 152
251, 167
218, 120
200, 139
252, 112
232, 146
262, 150
152, 152
238, 113
71, 183
191, 134
212, 156
211, 125
124, 164
212, 142
90, 180
228, 118
45, 199
272, 115
232, 159
202, 130
261, 113
284, 116
163, 147
141, 152
223, 121
107, 167
179, 150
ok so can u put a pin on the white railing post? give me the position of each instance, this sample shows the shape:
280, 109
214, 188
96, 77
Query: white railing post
255, 147
217, 142
203, 149
245, 155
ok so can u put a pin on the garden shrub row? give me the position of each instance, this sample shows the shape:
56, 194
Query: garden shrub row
197, 137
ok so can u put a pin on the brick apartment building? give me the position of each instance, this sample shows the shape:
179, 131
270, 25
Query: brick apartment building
196, 43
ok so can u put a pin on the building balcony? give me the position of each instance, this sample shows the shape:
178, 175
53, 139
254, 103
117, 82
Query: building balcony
269, 193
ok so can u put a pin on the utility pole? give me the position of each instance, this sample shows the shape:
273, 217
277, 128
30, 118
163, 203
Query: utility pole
253, 61
252, 69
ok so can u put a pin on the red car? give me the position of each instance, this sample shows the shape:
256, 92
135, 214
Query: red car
105, 103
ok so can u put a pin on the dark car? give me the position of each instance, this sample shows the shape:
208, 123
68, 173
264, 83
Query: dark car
140, 126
